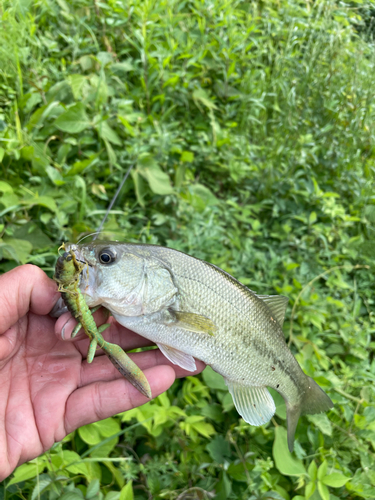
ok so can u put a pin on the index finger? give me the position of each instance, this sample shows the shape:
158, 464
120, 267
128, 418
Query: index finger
25, 288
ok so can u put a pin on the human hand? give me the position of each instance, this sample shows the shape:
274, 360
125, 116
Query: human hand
47, 389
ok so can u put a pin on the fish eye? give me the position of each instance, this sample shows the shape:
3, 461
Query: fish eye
107, 256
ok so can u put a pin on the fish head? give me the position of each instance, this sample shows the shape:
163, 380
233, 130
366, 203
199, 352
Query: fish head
122, 278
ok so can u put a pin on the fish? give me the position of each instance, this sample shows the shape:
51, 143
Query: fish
193, 309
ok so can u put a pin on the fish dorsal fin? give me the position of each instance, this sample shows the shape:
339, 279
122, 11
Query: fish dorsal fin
277, 305
186, 361
193, 322
254, 404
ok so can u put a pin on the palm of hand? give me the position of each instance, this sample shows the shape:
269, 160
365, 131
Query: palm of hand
47, 389
38, 375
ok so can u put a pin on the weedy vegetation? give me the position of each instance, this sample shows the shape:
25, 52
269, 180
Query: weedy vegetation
251, 129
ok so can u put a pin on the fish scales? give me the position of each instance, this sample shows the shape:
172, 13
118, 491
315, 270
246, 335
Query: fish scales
203, 289
193, 309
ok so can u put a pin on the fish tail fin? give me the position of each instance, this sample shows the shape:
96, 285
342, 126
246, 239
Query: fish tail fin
293, 413
314, 400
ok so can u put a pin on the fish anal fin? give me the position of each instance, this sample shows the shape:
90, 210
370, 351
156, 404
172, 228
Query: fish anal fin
193, 322
254, 404
185, 361
277, 304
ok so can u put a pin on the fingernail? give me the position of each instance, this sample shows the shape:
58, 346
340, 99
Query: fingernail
63, 330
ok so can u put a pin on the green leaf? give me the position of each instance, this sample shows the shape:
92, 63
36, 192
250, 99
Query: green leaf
107, 133
44, 201
32, 233
54, 175
108, 427
187, 157
312, 218
122, 67
227, 402
312, 471
322, 471
40, 487
213, 412
9, 200
79, 166
237, 471
213, 380
223, 487
323, 490
310, 489
94, 471
127, 492
71, 495
86, 62
279, 403
116, 472
113, 495
204, 428
200, 197
157, 179
90, 434
140, 188
112, 158
218, 449
2, 153
27, 471
74, 120
72, 462
76, 83
92, 489
335, 480
127, 125
105, 449
17, 249
284, 460
323, 423
5, 187
200, 96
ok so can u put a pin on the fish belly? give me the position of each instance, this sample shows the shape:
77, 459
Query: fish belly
227, 355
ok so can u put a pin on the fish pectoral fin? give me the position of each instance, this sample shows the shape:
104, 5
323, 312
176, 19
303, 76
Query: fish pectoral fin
193, 322
277, 305
254, 404
186, 361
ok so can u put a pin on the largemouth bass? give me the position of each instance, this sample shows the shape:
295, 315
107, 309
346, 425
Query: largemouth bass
193, 309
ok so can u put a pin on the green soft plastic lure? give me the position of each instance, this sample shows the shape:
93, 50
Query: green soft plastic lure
68, 275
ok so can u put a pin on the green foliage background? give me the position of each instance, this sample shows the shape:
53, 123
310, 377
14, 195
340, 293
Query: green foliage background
250, 126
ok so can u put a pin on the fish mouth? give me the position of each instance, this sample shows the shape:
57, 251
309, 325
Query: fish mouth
88, 274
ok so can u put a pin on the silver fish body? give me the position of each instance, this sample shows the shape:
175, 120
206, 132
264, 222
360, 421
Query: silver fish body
193, 309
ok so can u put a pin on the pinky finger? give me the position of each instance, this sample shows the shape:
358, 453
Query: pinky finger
101, 400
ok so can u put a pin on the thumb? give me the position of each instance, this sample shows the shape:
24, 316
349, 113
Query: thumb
23, 289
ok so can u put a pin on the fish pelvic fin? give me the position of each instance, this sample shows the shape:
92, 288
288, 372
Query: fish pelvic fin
314, 400
186, 361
